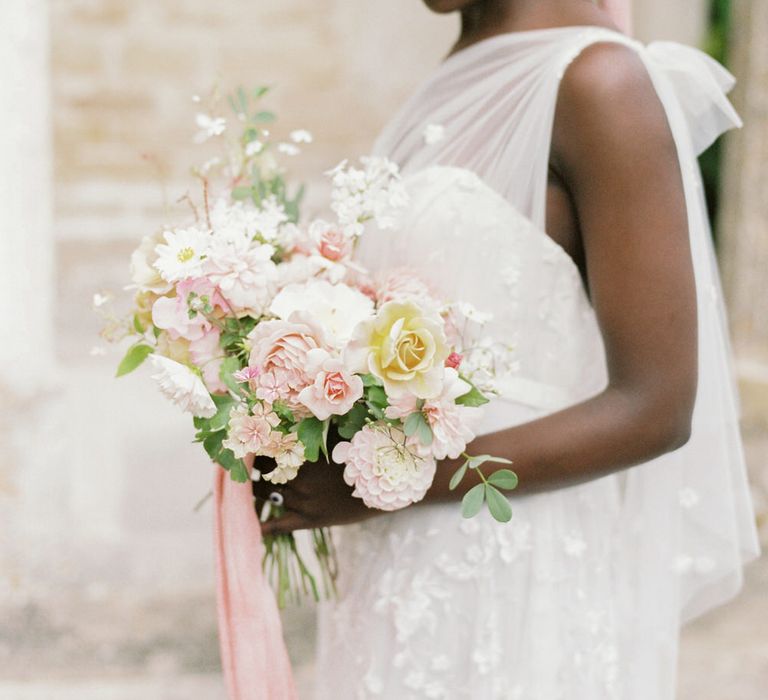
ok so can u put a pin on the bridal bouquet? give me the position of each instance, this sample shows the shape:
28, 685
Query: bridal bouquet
273, 338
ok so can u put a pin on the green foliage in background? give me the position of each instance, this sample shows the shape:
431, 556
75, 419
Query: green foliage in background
716, 45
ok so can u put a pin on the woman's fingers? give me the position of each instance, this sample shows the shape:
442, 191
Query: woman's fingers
288, 522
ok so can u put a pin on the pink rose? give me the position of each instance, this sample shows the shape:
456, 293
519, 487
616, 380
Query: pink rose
334, 390
172, 313
330, 241
279, 350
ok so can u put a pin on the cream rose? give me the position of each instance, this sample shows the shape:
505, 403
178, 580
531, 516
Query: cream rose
404, 346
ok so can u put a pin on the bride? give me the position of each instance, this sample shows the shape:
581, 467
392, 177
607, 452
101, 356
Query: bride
552, 166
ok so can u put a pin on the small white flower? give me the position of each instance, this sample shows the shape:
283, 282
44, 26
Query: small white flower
205, 168
433, 133
195, 98
472, 313
100, 299
97, 351
288, 149
301, 136
374, 192
182, 255
182, 386
209, 127
254, 148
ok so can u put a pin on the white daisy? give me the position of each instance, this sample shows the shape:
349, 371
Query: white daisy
182, 254
182, 386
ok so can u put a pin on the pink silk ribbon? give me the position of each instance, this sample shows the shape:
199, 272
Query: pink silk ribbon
621, 13
253, 654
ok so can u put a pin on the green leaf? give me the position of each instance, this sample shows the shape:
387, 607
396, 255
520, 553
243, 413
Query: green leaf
229, 366
504, 479
473, 397
283, 412
412, 423
133, 358
370, 380
235, 467
473, 501
264, 116
353, 421
324, 440
498, 504
138, 326
477, 460
458, 476
310, 432
212, 443
224, 405
377, 396
416, 424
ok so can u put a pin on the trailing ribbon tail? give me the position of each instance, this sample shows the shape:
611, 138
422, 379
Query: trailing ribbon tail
253, 653
701, 85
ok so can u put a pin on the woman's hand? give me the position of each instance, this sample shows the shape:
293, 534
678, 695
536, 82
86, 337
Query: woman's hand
317, 497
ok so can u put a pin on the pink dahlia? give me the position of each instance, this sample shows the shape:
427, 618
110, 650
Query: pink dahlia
387, 472
402, 284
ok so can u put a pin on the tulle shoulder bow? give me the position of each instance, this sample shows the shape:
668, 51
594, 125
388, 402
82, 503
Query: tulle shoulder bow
701, 85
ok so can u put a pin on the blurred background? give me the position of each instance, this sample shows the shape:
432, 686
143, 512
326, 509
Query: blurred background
106, 585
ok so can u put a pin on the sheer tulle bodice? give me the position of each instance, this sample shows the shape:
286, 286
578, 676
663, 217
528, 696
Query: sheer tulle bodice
581, 596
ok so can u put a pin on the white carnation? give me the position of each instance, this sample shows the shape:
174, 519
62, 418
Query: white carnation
182, 386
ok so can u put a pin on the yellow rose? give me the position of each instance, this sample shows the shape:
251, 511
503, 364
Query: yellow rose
403, 346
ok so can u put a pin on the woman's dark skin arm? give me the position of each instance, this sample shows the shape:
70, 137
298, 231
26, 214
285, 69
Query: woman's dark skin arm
616, 204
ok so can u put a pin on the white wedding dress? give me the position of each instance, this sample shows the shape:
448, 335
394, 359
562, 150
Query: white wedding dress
582, 595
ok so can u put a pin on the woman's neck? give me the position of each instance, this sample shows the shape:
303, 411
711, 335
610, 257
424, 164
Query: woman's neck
486, 18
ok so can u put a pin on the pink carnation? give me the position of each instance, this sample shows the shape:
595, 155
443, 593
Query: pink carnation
206, 353
448, 420
334, 390
387, 471
279, 350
